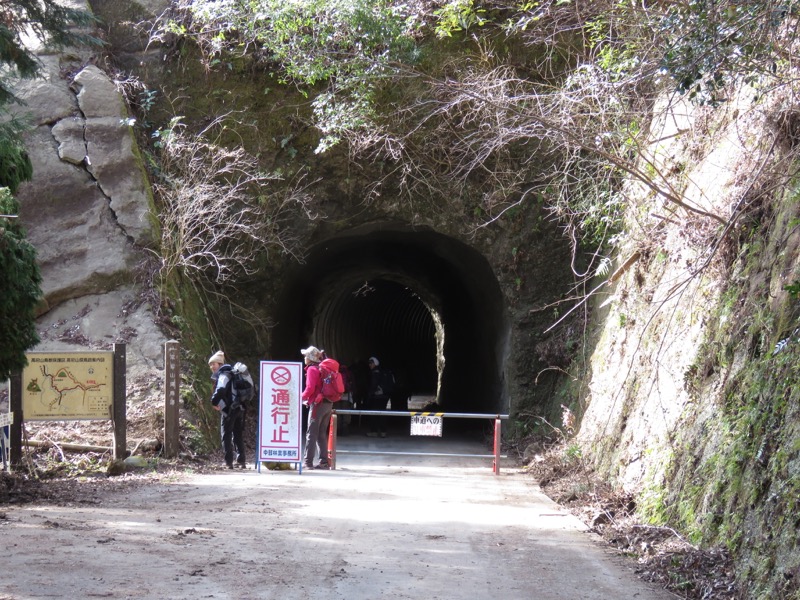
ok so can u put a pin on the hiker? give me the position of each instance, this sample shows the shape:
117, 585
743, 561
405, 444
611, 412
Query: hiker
359, 378
319, 411
381, 382
401, 391
231, 418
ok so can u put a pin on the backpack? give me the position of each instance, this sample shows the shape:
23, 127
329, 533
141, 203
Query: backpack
347, 378
332, 383
242, 387
385, 382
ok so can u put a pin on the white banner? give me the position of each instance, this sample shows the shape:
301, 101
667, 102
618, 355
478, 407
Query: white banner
280, 426
427, 424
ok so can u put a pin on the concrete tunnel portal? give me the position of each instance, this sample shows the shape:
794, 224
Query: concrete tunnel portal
427, 305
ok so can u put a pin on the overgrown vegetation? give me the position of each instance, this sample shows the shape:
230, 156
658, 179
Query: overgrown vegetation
540, 102
20, 280
222, 218
218, 208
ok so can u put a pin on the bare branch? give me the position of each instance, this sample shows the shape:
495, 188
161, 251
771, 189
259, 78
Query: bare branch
221, 212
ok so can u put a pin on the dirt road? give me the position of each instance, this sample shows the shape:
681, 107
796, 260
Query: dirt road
379, 526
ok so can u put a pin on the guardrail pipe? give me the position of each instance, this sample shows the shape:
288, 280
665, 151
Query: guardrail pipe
497, 438
332, 442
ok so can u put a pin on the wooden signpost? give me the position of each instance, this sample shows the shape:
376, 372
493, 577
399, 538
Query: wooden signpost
172, 380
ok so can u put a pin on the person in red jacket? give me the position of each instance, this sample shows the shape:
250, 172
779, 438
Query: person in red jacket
319, 411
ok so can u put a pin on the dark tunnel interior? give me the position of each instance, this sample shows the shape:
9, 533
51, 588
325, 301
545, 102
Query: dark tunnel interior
428, 306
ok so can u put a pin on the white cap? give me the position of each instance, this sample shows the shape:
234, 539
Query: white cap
372, 359
313, 353
217, 357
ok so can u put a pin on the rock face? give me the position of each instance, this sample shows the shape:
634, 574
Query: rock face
88, 213
690, 397
110, 156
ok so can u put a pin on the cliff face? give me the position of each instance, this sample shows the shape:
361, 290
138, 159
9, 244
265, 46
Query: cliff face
690, 396
89, 212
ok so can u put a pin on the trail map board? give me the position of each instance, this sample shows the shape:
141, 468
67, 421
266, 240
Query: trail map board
68, 385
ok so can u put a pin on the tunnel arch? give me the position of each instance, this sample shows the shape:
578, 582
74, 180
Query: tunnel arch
427, 305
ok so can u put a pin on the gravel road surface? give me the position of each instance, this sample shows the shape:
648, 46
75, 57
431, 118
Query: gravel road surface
379, 526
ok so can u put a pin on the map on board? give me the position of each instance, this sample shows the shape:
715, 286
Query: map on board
68, 386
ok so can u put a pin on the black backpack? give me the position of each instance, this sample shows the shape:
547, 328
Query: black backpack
385, 382
242, 387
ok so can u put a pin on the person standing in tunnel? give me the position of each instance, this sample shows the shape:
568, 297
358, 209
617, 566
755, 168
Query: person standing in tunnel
231, 417
359, 375
381, 382
401, 390
319, 411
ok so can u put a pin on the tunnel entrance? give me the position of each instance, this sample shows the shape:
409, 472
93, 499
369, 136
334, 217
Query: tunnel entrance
428, 306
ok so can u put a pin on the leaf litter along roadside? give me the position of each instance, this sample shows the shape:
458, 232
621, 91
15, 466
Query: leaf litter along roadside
663, 555
52, 476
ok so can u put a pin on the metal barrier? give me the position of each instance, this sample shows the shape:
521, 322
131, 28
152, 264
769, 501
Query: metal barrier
333, 434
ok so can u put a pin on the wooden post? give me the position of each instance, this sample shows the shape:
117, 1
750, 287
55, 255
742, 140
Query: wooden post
172, 381
15, 407
119, 403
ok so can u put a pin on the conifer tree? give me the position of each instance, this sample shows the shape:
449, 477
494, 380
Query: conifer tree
20, 281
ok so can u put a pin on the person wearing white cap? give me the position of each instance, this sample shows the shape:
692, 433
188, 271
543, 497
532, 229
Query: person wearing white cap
231, 419
313, 353
319, 411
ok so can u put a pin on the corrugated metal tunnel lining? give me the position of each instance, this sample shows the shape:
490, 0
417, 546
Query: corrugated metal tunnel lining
386, 319
428, 306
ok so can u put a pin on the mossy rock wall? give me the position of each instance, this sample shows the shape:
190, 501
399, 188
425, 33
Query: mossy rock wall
686, 400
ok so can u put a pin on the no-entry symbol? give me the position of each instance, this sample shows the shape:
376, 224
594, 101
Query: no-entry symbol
280, 376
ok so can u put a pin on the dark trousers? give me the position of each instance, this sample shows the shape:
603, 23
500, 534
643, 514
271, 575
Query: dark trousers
232, 430
377, 423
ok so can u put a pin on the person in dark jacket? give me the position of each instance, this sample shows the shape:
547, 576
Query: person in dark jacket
231, 419
380, 383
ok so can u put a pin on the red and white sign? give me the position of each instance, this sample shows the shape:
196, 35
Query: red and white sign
280, 427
